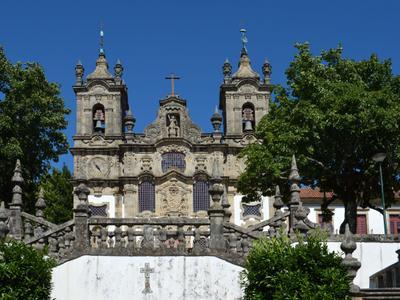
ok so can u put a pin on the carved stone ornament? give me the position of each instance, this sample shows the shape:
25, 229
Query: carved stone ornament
246, 140
98, 167
247, 88
174, 198
129, 162
146, 162
80, 167
97, 140
201, 163
173, 148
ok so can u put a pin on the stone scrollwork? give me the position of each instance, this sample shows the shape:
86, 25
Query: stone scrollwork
146, 164
174, 198
173, 148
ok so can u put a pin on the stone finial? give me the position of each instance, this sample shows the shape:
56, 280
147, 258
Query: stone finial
79, 71
294, 171
118, 70
216, 190
129, 121
216, 120
40, 204
82, 192
351, 263
17, 179
266, 69
3, 221
101, 70
227, 70
278, 203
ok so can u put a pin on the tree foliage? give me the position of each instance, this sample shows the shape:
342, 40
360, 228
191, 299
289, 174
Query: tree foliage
276, 269
335, 114
25, 273
32, 117
58, 188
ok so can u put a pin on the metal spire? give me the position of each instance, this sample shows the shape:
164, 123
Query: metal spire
101, 39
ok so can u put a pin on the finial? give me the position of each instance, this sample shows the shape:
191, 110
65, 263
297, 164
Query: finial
348, 246
278, 204
216, 120
17, 190
17, 177
244, 40
40, 204
129, 121
266, 69
79, 71
101, 39
118, 70
294, 171
227, 70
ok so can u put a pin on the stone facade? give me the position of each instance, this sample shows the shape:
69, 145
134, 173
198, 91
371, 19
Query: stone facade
172, 155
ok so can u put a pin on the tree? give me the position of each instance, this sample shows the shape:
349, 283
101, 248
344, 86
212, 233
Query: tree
335, 114
57, 189
25, 273
32, 117
276, 269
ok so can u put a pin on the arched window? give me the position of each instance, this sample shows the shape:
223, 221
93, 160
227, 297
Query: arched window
173, 160
147, 195
99, 119
201, 197
248, 117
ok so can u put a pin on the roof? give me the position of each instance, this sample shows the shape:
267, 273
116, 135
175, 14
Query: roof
314, 193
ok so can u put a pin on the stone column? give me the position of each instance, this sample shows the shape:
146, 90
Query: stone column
130, 200
15, 222
81, 216
216, 212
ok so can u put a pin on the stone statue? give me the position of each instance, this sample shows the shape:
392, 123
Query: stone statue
173, 128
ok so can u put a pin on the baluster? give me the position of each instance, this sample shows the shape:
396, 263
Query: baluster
68, 238
53, 246
61, 245
181, 239
233, 241
28, 230
104, 234
245, 245
131, 238
118, 237
162, 237
111, 239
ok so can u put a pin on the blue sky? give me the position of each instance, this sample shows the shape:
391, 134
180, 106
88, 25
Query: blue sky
190, 38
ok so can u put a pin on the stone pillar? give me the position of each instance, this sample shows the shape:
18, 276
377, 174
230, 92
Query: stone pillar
15, 222
352, 265
130, 200
81, 216
216, 212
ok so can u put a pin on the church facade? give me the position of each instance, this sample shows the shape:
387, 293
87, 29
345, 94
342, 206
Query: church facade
165, 170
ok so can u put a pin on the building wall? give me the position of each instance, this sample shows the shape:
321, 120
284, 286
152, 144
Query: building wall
120, 278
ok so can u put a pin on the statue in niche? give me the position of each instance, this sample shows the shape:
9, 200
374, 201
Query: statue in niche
173, 127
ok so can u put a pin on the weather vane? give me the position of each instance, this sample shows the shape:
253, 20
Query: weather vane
101, 38
244, 38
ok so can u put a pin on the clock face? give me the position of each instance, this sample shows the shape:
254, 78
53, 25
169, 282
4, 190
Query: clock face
98, 167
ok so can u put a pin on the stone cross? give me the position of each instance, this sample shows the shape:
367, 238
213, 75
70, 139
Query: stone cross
147, 271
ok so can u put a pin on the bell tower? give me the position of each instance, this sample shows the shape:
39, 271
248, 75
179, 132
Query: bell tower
244, 97
101, 99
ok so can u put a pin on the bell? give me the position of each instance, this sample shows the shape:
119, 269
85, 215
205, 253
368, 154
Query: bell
98, 126
248, 126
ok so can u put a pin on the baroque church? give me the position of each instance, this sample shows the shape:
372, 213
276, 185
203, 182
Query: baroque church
165, 170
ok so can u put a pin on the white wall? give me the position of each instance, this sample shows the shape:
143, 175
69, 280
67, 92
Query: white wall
373, 257
119, 278
109, 199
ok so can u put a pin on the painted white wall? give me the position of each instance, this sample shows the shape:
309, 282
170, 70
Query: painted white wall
119, 278
373, 257
109, 199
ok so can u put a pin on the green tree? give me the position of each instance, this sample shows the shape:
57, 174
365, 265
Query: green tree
335, 114
25, 273
32, 117
57, 189
276, 269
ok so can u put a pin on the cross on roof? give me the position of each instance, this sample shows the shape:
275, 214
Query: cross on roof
172, 77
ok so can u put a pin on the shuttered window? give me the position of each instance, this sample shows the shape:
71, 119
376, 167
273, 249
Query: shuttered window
394, 224
147, 199
201, 197
173, 160
361, 224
